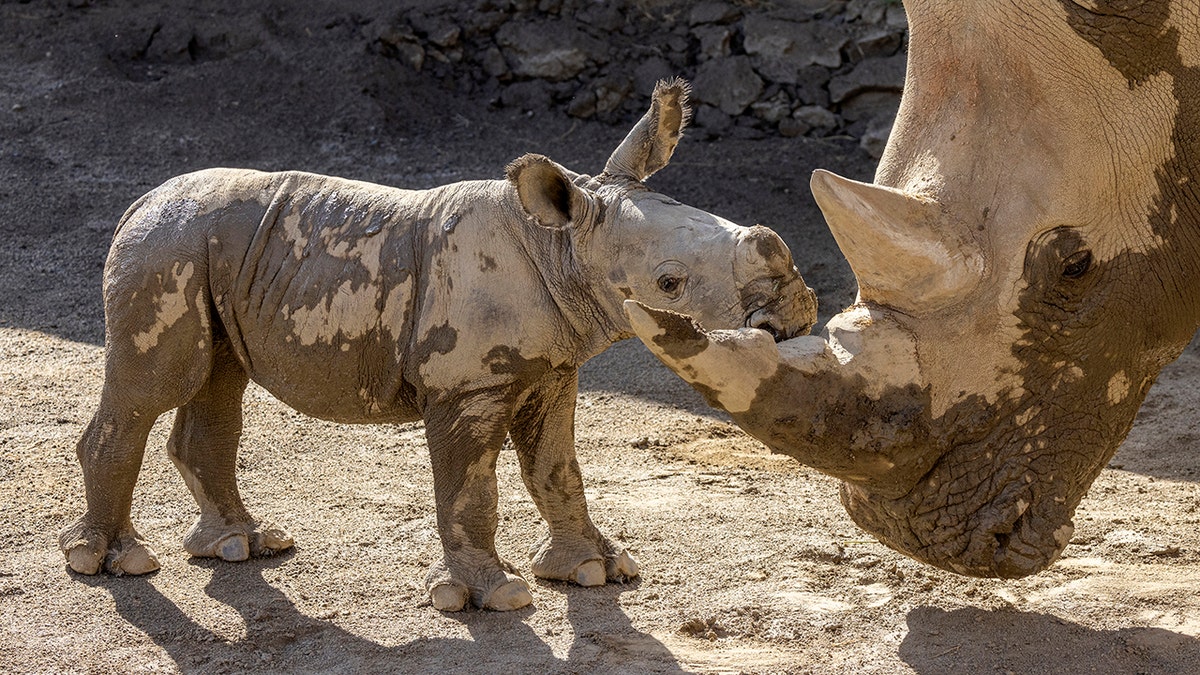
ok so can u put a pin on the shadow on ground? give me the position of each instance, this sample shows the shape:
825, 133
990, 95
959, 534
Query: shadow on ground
972, 640
279, 637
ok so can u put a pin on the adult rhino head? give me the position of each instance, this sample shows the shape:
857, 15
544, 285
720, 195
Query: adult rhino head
1027, 260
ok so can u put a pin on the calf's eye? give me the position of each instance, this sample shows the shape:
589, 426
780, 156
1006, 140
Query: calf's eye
1077, 264
670, 284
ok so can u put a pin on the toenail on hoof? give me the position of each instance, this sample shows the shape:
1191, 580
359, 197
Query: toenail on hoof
590, 573
234, 548
512, 595
626, 565
449, 597
82, 560
275, 540
140, 560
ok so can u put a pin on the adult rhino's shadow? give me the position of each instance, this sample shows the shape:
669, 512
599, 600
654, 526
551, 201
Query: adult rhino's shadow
972, 640
280, 638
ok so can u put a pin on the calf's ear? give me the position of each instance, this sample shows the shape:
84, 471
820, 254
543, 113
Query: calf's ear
546, 192
650, 143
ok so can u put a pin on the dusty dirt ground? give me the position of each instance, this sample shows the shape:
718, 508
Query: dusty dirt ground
750, 564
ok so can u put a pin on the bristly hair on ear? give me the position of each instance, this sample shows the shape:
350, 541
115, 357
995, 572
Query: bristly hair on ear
682, 90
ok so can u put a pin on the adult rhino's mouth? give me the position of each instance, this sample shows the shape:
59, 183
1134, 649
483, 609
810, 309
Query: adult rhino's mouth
1015, 529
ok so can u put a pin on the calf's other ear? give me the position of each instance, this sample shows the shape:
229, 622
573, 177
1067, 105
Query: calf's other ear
545, 191
650, 143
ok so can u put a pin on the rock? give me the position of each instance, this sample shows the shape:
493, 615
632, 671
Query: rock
649, 72
816, 119
611, 92
583, 105
437, 30
531, 95
790, 127
485, 22
714, 40
729, 84
712, 119
812, 86
866, 11
869, 105
493, 63
875, 43
780, 49
879, 74
554, 50
606, 17
774, 109
714, 12
897, 17
875, 138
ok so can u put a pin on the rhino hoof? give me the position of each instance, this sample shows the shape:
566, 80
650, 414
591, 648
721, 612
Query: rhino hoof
84, 560
234, 548
623, 566
512, 595
271, 540
591, 573
139, 559
449, 597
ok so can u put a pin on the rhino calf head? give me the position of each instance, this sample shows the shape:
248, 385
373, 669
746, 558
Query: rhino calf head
1027, 259
630, 242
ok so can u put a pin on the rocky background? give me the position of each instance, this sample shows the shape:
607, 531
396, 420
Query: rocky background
795, 67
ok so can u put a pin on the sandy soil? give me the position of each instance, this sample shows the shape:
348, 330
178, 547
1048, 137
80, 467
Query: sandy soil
750, 564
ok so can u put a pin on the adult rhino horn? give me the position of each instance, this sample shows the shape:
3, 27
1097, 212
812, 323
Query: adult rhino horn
901, 247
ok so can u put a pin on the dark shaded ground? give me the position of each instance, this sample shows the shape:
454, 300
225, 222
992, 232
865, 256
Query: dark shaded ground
750, 563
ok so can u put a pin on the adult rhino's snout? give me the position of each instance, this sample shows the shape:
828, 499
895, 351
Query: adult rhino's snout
774, 295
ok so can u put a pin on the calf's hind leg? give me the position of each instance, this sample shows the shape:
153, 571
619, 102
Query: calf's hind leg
203, 445
110, 452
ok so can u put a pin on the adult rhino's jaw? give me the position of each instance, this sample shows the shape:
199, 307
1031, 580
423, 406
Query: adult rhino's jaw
852, 404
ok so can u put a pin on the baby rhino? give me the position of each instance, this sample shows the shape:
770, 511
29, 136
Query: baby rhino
470, 306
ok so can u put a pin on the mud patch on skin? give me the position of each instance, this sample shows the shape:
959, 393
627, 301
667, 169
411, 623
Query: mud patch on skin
505, 360
681, 337
170, 306
887, 455
439, 340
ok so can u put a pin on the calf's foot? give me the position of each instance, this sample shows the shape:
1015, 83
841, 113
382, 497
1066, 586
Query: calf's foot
585, 560
214, 537
489, 586
90, 548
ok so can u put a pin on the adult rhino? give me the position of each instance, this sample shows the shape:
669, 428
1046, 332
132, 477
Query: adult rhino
1028, 259
471, 306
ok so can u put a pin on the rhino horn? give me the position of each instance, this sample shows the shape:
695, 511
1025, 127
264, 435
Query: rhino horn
726, 366
899, 245
649, 145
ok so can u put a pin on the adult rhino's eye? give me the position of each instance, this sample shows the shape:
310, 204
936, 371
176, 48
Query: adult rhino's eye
670, 284
1077, 264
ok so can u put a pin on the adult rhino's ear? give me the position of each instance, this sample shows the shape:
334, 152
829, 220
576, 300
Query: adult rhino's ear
546, 191
650, 143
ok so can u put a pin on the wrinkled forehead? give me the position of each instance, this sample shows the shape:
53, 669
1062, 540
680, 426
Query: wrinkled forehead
1032, 114
665, 218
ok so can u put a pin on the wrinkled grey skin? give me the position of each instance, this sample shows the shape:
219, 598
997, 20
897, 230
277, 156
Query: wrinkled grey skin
470, 306
1027, 260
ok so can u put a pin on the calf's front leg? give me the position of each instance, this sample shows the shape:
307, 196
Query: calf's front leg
544, 435
465, 437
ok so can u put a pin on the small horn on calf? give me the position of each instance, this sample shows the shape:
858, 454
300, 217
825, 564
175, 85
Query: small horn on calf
899, 246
